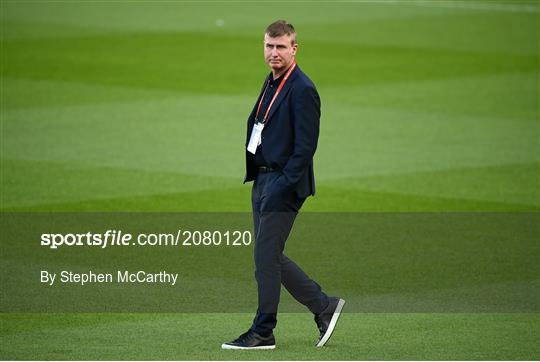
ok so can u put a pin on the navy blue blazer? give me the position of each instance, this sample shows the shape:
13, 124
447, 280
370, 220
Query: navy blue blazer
289, 138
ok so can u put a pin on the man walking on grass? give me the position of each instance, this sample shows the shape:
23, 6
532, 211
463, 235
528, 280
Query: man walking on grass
282, 134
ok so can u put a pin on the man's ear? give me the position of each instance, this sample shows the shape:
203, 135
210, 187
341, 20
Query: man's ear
295, 48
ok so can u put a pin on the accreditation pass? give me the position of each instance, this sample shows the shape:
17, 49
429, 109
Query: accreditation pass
255, 138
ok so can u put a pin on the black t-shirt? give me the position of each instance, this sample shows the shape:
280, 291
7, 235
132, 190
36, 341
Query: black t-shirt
270, 91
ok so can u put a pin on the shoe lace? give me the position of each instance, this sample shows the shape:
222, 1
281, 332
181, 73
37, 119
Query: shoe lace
244, 337
319, 322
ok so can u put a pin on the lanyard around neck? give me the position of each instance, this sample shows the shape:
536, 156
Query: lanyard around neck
265, 118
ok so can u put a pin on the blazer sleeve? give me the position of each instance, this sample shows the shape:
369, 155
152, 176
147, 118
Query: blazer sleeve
306, 121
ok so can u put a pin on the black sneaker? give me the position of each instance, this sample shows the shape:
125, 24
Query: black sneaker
251, 340
326, 321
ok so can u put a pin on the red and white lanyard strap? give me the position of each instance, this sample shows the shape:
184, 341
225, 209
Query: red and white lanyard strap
275, 95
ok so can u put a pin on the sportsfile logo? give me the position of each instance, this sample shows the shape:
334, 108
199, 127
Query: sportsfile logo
110, 237
121, 238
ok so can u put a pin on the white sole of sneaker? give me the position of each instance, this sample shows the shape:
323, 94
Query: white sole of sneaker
332, 324
228, 346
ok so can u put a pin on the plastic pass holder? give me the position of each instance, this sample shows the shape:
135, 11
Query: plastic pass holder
255, 139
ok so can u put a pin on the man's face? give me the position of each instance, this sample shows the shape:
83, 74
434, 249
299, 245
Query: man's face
279, 52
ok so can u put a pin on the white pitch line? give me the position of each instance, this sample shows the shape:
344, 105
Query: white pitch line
467, 5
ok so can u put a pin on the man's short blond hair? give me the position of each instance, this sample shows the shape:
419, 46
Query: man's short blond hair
280, 28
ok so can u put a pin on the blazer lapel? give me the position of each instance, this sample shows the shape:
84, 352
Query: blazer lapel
251, 118
286, 87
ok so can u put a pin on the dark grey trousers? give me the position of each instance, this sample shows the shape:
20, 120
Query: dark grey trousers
273, 217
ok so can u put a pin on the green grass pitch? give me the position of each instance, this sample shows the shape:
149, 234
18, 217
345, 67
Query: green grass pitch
141, 106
